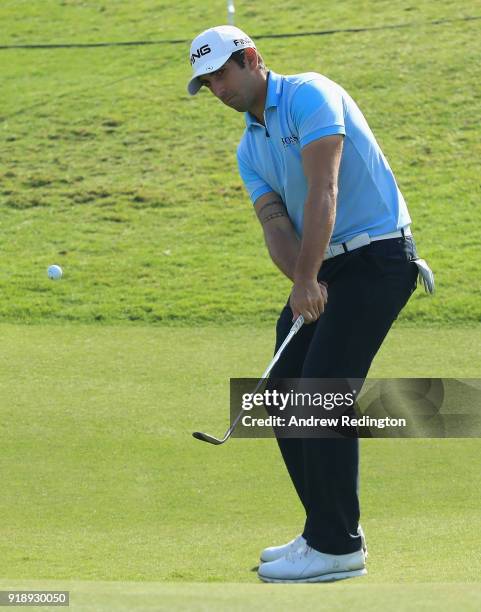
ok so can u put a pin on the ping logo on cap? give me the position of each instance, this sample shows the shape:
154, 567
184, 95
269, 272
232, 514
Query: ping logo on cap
204, 50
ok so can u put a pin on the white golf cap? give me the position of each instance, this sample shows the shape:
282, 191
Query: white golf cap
212, 48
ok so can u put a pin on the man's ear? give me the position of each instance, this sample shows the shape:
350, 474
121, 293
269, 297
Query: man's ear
251, 57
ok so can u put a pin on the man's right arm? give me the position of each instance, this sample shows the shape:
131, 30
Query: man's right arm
281, 239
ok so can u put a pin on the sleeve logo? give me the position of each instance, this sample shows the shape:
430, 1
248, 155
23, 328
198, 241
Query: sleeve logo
289, 140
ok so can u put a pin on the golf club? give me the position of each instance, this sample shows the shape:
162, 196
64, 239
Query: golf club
211, 439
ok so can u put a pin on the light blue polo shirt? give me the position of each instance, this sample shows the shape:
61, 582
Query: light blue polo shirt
299, 109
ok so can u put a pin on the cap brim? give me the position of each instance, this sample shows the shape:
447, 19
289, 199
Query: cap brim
194, 83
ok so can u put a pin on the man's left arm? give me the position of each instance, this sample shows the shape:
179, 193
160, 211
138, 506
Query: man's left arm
321, 159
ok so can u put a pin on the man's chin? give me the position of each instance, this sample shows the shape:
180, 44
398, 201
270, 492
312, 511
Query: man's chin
236, 106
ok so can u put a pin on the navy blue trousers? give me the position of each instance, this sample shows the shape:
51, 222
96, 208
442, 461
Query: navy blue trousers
367, 288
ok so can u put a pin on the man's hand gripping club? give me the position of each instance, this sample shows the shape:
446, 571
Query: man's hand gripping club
308, 298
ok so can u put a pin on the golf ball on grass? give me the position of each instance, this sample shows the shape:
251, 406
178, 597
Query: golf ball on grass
54, 272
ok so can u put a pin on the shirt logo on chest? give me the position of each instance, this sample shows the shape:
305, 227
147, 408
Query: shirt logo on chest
287, 141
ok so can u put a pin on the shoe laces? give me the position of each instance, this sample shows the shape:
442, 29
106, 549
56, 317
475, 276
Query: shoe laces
295, 555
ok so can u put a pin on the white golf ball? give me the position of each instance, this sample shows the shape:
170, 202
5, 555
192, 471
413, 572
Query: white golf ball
54, 272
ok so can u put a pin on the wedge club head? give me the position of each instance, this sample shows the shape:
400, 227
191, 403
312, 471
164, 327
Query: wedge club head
207, 438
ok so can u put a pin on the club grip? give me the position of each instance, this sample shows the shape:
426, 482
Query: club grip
298, 323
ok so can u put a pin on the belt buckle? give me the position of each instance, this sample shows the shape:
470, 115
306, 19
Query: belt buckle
358, 241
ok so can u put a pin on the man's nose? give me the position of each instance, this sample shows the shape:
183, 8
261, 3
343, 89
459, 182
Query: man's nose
218, 89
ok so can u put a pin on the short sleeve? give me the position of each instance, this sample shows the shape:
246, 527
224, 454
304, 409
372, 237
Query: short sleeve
255, 185
317, 110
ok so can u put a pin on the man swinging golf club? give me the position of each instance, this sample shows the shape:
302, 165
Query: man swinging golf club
332, 214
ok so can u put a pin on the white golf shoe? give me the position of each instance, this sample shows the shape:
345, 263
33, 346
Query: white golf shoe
306, 564
276, 552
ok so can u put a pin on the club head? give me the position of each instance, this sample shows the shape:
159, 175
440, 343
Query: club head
206, 438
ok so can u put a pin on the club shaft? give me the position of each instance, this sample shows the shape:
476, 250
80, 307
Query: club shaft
293, 331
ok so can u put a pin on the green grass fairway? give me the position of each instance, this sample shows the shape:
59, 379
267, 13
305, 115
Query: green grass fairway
102, 481
196, 597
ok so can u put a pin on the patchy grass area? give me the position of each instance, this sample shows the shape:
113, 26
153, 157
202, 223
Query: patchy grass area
109, 169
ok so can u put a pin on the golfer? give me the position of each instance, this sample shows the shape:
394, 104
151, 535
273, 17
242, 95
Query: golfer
336, 224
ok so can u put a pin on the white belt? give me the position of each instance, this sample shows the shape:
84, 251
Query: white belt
333, 250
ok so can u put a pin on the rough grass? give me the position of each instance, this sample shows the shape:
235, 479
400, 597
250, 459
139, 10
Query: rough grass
109, 169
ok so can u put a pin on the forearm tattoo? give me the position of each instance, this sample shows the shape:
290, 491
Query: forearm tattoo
276, 215
271, 203
265, 216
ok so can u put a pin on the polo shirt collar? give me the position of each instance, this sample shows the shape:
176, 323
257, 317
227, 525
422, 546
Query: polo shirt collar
274, 89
